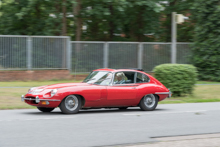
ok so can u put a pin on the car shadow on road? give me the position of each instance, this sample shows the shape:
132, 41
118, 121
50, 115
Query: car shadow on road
43, 113
95, 111
114, 110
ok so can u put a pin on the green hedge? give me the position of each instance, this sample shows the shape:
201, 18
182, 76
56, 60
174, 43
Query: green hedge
179, 78
206, 44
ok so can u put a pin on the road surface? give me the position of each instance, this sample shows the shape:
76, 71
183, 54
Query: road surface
106, 127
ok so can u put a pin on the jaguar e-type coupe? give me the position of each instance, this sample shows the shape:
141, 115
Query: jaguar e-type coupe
102, 88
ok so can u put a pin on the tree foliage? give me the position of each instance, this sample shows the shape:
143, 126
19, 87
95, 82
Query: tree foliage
31, 17
107, 20
185, 30
206, 48
131, 18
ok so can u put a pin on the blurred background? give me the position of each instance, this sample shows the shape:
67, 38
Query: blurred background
142, 27
97, 20
81, 35
45, 42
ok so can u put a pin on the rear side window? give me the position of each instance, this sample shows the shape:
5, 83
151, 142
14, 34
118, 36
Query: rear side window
142, 78
124, 77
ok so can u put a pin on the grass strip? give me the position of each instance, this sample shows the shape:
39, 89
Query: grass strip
10, 97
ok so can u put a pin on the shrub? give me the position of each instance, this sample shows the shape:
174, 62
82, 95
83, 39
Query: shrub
179, 78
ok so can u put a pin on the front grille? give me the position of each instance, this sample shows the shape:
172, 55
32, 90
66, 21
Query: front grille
32, 101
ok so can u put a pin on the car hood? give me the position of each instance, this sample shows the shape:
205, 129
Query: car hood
62, 85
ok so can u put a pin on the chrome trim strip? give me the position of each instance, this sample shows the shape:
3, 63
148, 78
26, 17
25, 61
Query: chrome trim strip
120, 85
169, 93
162, 92
31, 99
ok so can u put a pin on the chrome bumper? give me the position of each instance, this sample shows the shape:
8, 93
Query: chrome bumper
169, 93
36, 99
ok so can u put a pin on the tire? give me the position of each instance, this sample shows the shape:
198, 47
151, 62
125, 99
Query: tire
149, 102
123, 108
43, 109
71, 104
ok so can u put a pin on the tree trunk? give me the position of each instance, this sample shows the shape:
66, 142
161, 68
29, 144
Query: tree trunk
57, 26
111, 23
77, 19
64, 24
140, 25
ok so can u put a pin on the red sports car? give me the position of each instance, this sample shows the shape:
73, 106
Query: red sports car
102, 88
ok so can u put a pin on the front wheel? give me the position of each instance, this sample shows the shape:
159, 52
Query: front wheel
43, 109
70, 105
149, 102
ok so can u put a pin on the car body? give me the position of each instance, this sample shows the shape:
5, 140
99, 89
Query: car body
102, 88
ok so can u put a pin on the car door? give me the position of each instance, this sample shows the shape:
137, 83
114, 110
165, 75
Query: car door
96, 93
122, 94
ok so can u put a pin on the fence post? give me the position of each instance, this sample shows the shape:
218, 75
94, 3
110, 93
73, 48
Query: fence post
140, 55
29, 52
173, 49
105, 56
69, 55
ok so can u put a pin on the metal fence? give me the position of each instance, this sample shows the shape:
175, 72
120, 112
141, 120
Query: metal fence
87, 55
58, 52
34, 52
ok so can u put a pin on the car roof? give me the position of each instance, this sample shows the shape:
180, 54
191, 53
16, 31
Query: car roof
118, 70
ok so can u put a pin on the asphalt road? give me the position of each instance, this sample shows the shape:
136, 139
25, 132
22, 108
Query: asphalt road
106, 127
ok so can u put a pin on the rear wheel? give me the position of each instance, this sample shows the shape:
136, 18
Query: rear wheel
43, 109
149, 102
71, 104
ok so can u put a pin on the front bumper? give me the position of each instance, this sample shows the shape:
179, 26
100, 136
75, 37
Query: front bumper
40, 102
36, 99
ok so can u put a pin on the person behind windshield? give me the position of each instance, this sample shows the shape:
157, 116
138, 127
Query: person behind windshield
120, 78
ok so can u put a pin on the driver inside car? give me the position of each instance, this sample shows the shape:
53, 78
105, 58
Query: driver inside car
120, 78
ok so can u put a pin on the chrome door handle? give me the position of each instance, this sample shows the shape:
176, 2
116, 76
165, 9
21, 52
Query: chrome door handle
133, 88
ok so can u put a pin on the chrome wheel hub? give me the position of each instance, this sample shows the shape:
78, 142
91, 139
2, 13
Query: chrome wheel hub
71, 102
149, 100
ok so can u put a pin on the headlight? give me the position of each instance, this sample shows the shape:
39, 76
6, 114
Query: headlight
53, 92
50, 93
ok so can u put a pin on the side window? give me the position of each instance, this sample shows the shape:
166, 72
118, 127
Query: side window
124, 78
142, 78
119, 78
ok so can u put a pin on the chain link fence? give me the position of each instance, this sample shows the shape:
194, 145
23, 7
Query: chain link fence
13, 52
34, 52
58, 52
87, 56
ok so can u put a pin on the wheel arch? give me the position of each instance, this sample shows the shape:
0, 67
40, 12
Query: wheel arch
82, 98
157, 96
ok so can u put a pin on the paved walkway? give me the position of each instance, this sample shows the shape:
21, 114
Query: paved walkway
206, 140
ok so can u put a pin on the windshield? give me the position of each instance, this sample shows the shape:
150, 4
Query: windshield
99, 77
